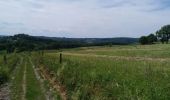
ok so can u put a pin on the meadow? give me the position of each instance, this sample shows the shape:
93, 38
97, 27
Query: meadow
118, 72
133, 72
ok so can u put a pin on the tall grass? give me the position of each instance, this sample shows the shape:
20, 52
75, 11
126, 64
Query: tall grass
6, 69
111, 78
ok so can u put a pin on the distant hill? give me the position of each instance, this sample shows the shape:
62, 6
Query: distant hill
118, 40
2, 36
24, 42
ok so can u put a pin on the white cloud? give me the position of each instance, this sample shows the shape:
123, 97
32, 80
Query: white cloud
84, 18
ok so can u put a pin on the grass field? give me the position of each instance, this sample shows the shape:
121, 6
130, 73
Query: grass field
131, 72
119, 72
154, 51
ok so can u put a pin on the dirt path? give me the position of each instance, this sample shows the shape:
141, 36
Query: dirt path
24, 83
119, 57
38, 77
54, 83
42, 75
4, 92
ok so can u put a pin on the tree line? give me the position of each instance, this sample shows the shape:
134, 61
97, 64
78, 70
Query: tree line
24, 42
162, 35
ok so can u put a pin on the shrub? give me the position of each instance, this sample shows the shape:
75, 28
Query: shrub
4, 76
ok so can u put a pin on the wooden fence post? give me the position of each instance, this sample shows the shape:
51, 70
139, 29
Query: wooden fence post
61, 58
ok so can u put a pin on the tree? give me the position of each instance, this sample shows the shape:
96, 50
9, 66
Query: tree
10, 48
152, 38
143, 40
164, 34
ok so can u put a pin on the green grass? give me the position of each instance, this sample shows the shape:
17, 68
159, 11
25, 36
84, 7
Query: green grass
104, 78
94, 77
17, 80
32, 85
7, 72
37, 59
6, 69
33, 89
155, 51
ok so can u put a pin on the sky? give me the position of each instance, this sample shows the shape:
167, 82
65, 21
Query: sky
83, 18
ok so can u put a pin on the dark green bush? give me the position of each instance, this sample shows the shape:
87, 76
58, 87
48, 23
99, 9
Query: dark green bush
4, 76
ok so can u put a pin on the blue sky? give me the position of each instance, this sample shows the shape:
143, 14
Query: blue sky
83, 18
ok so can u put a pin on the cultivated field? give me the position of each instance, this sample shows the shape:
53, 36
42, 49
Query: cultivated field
131, 72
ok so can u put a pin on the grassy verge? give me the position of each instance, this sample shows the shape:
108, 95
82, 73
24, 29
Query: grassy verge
7, 69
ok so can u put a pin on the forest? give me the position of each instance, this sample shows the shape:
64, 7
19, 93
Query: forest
24, 42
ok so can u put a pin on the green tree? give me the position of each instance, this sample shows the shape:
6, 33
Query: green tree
164, 34
143, 40
152, 38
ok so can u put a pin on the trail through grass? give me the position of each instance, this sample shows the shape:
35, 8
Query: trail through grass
25, 85
152, 51
118, 57
24, 82
16, 82
33, 89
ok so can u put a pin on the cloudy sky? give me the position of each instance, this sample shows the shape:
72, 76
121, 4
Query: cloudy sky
83, 18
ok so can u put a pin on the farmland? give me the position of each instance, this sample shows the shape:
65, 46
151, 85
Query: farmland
132, 72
